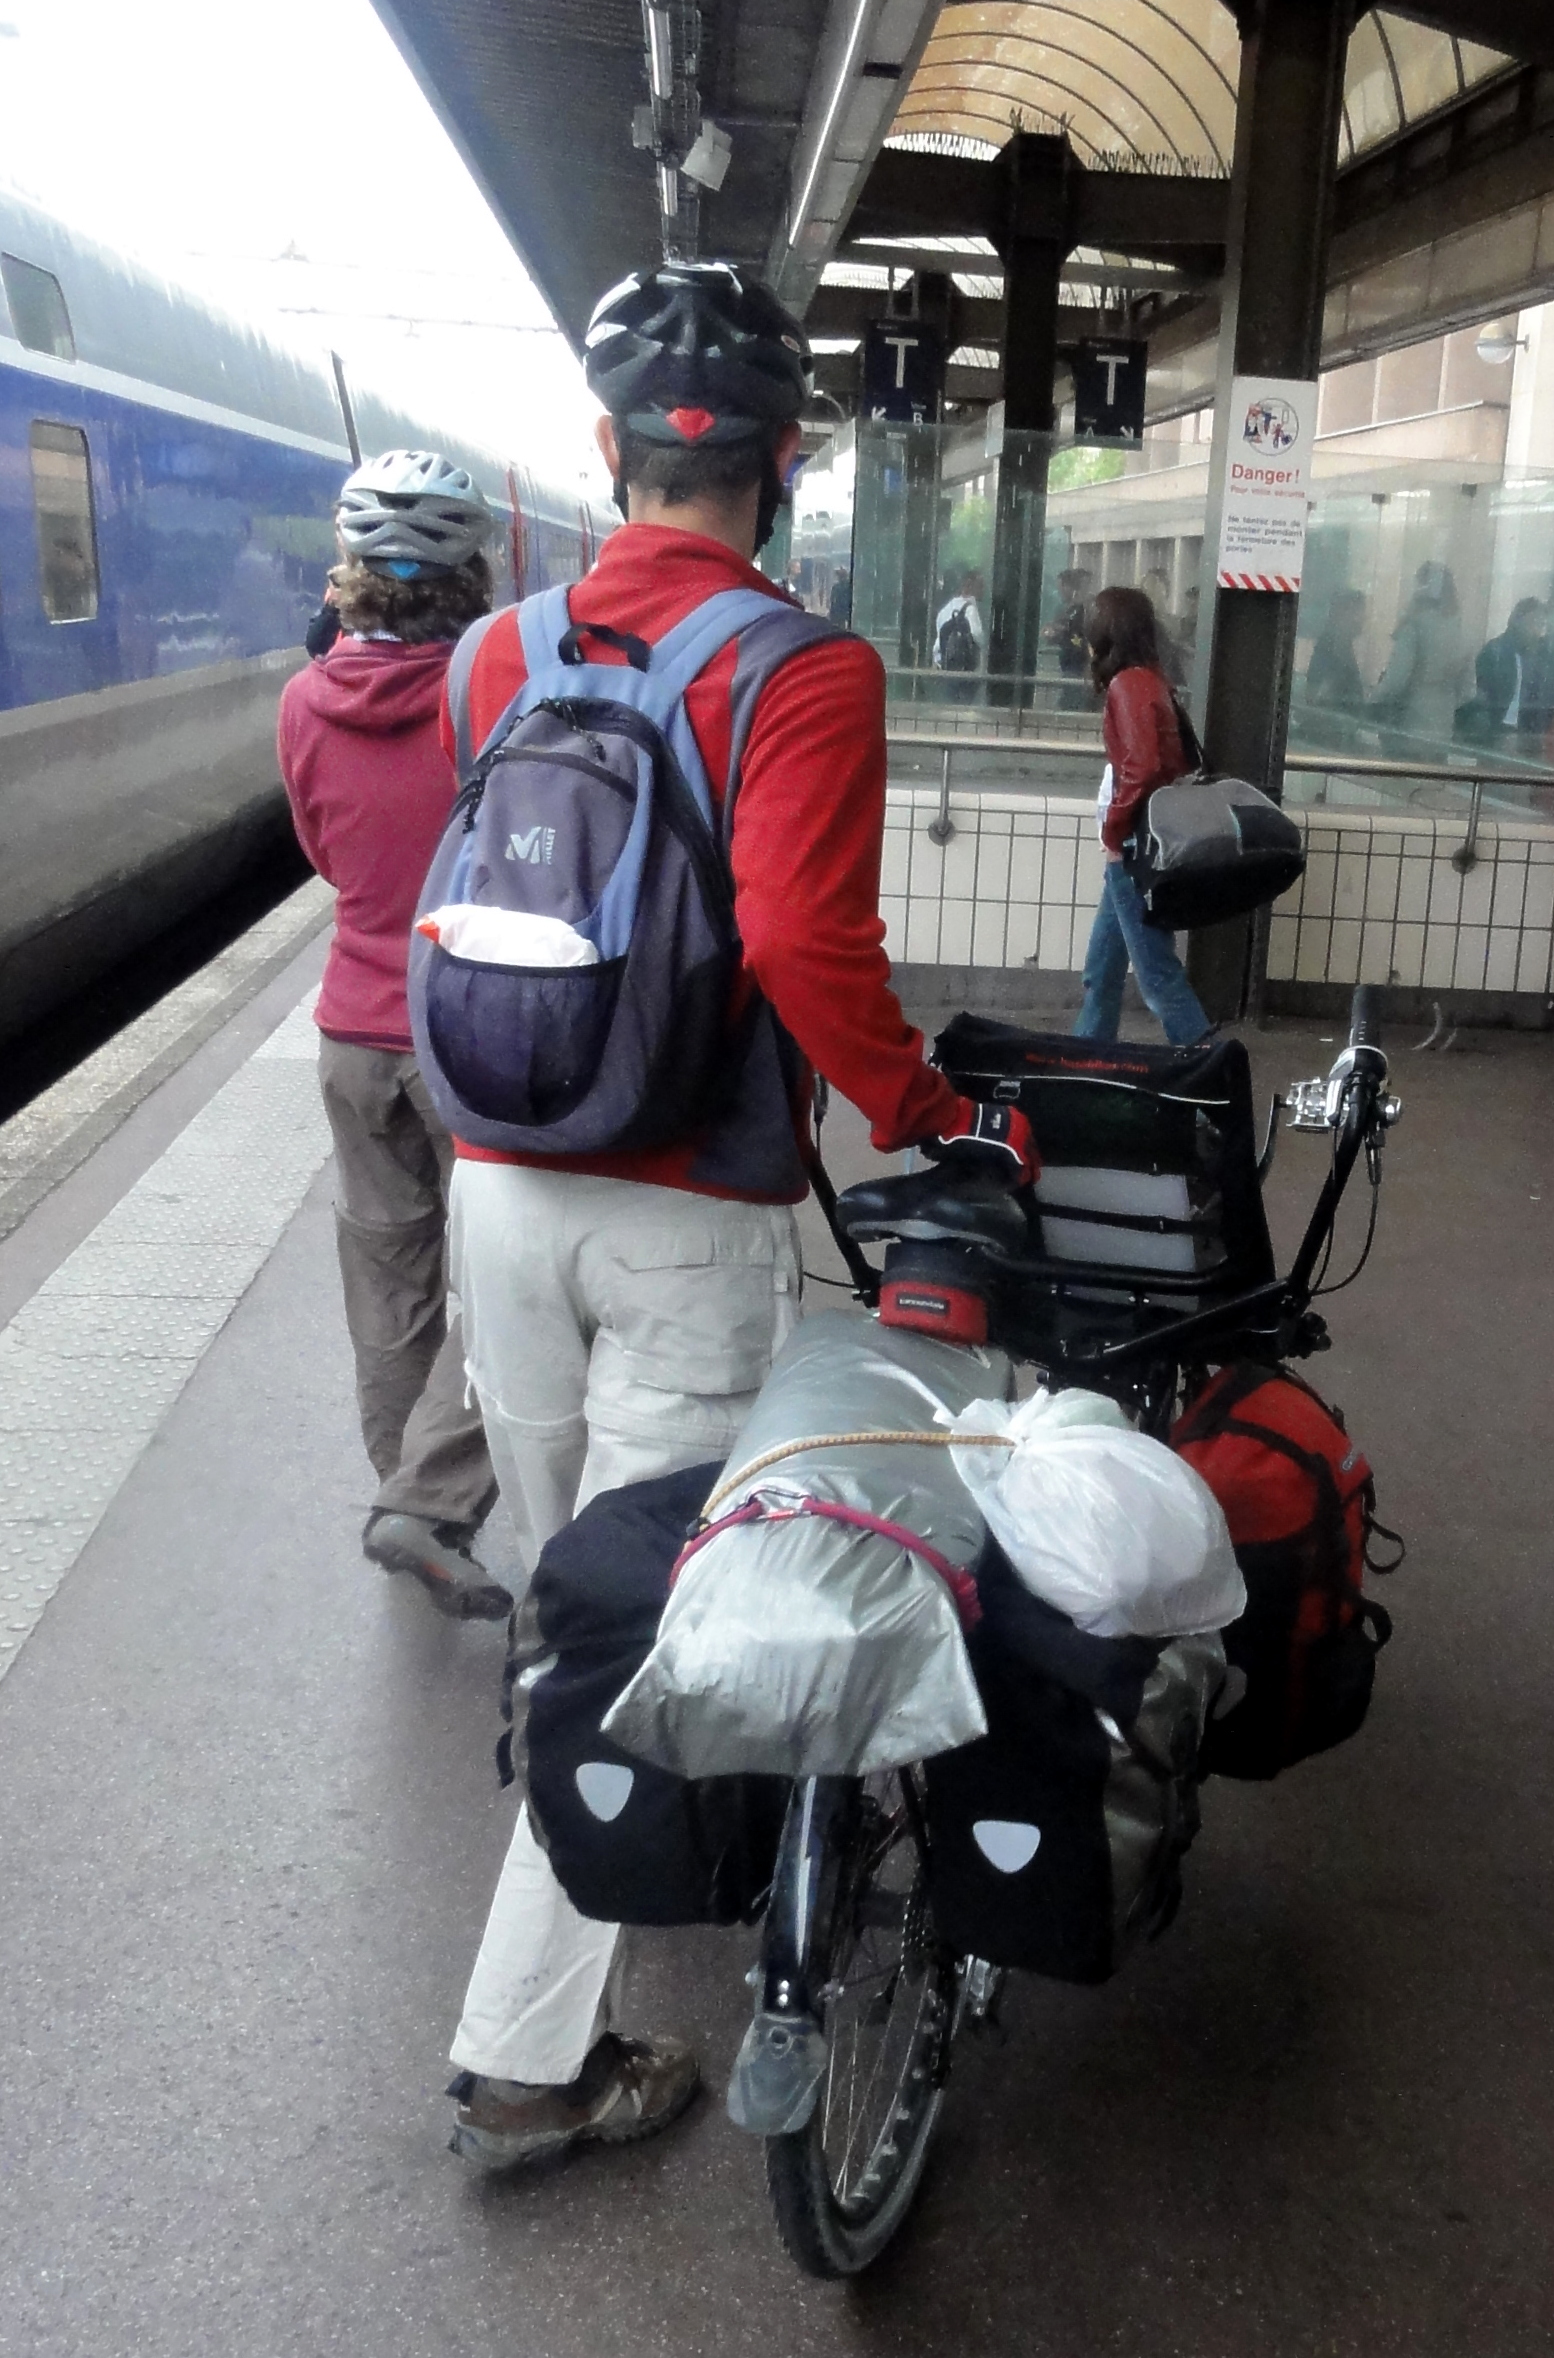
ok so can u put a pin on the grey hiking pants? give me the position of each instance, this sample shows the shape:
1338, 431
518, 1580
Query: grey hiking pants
392, 1160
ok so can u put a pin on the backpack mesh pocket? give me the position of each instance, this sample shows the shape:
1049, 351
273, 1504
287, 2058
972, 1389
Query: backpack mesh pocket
520, 1044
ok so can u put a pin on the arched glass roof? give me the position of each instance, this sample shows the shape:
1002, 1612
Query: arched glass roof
1151, 83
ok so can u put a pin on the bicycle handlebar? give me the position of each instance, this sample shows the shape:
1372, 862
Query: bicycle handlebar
1365, 1017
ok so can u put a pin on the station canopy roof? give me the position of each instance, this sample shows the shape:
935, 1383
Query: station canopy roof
575, 118
1153, 78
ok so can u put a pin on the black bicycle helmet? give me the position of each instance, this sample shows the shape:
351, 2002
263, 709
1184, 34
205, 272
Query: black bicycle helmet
695, 353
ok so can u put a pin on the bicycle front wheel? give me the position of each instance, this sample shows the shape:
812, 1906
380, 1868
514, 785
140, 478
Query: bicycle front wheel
885, 1991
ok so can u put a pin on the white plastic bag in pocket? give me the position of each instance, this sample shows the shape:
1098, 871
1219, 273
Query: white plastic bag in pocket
1108, 1526
507, 937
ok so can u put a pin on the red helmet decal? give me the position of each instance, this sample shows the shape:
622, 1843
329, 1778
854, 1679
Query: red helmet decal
691, 423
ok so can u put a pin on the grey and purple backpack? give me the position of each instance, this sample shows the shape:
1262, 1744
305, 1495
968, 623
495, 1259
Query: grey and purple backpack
575, 948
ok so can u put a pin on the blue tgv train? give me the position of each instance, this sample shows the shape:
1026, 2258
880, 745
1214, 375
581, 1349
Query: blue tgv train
167, 478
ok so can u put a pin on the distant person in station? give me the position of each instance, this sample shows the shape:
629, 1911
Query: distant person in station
1157, 588
1333, 679
960, 638
1512, 677
623, 1309
1418, 693
839, 606
370, 789
1143, 734
1065, 634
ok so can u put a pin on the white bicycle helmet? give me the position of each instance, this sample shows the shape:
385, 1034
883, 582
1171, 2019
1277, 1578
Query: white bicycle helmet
412, 512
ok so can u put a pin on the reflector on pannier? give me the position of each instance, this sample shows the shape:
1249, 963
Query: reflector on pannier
1056, 1839
630, 1843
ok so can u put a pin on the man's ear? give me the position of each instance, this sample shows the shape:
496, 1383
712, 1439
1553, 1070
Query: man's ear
786, 447
609, 448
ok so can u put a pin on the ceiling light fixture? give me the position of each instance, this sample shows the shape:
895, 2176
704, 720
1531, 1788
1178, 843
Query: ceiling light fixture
828, 125
660, 35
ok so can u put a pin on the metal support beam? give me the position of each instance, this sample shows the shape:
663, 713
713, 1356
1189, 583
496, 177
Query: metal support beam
1034, 175
1144, 213
1287, 115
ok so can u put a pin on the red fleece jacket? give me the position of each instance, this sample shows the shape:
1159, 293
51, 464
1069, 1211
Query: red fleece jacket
370, 789
808, 830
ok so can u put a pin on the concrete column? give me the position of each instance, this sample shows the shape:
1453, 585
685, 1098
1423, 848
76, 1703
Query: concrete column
1288, 109
1034, 246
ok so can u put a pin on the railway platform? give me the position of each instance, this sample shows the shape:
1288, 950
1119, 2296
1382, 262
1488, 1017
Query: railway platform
251, 1825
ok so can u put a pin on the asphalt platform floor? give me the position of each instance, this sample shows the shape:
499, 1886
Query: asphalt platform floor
251, 1825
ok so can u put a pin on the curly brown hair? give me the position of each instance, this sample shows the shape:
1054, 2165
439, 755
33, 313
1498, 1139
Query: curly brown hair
439, 606
1121, 630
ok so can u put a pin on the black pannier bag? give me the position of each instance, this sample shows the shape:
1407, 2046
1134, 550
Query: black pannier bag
1205, 848
630, 1843
1056, 1840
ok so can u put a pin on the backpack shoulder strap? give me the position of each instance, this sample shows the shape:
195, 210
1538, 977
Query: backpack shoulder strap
459, 669
543, 621
685, 652
769, 630
764, 648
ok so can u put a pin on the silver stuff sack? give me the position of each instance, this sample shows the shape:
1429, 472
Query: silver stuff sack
809, 1647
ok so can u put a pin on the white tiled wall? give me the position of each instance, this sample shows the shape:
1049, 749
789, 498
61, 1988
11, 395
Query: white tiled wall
1380, 900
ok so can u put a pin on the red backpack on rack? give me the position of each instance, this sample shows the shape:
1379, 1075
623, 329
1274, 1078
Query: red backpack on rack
1299, 1498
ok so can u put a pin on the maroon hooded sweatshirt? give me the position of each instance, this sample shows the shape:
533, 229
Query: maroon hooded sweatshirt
370, 789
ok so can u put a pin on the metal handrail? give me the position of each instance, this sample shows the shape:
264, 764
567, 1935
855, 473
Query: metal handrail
946, 743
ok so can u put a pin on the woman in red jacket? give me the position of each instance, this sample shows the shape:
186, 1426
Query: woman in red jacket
1143, 750
370, 790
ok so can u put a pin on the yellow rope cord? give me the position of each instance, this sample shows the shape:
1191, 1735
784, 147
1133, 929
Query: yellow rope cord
774, 1457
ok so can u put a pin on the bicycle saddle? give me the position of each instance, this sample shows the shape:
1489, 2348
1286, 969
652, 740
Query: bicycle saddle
931, 1206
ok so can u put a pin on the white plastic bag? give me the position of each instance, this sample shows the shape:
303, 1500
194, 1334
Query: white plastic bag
1108, 1526
507, 937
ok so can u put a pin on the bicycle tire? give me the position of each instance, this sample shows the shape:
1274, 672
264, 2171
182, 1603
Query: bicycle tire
836, 2219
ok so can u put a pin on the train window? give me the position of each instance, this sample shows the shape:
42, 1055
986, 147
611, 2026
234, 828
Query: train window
67, 536
38, 311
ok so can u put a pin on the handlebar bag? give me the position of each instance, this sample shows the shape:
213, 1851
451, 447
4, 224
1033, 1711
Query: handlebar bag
1149, 1153
630, 1843
1056, 1839
1300, 1500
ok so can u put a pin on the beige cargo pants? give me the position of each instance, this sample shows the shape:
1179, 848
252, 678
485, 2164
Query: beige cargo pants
392, 1159
614, 1331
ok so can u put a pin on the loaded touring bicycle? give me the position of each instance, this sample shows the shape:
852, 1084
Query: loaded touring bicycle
894, 1896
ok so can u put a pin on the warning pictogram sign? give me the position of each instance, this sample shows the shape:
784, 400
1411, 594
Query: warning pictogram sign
1262, 539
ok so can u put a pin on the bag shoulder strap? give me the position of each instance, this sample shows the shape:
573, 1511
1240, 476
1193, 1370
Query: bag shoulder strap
457, 685
1189, 736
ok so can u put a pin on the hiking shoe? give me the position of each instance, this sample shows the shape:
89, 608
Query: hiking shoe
439, 1556
627, 2089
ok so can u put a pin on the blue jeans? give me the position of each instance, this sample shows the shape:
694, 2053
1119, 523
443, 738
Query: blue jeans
1120, 938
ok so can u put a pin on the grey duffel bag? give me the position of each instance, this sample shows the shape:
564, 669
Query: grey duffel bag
1210, 848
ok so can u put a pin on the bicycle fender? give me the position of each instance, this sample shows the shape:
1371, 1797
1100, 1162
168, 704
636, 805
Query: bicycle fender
775, 2083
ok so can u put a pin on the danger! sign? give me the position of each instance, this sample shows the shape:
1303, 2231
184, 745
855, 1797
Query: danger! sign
1262, 538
